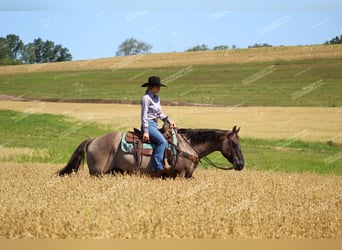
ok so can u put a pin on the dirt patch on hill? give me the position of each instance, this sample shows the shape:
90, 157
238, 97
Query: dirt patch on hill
11, 98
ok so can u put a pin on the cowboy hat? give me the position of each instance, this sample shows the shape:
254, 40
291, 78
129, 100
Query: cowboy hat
153, 81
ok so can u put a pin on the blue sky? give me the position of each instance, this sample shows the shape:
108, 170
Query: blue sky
95, 29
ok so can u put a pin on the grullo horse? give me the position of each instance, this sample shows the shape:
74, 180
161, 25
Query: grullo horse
104, 154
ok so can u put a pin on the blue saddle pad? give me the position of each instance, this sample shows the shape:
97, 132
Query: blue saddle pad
129, 146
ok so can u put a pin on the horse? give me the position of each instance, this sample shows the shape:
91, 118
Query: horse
104, 154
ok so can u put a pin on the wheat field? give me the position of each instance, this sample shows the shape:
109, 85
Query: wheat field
215, 205
268, 54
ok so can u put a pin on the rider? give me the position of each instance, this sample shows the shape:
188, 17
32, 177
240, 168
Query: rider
150, 113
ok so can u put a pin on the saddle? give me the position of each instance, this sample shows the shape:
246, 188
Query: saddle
131, 143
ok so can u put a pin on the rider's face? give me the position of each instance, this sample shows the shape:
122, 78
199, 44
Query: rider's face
155, 90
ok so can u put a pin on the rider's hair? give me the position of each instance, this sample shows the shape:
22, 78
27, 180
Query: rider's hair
148, 88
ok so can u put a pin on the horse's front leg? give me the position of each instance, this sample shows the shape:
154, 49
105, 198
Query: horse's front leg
189, 169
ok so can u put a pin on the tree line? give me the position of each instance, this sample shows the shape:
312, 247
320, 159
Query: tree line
133, 46
14, 51
335, 40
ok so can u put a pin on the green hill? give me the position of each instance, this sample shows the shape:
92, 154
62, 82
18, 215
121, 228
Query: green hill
276, 76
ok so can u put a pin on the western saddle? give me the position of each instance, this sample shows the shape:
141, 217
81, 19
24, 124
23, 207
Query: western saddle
141, 148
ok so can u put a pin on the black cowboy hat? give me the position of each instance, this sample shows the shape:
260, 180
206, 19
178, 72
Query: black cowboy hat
153, 81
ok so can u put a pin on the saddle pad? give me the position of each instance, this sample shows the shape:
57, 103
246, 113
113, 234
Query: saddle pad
128, 147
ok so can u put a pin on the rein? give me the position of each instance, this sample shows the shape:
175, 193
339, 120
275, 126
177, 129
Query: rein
206, 159
186, 155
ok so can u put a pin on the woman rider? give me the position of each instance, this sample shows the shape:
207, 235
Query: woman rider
150, 113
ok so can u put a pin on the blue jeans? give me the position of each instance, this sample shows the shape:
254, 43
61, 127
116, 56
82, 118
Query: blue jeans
161, 144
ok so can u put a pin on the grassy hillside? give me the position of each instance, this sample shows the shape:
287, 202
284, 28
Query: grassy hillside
41, 137
279, 83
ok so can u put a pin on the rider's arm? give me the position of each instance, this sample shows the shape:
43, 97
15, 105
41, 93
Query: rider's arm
144, 110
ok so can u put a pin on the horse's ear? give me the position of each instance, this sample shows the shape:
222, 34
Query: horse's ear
237, 131
234, 129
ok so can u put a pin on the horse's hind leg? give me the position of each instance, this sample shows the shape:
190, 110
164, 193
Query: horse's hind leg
101, 153
96, 165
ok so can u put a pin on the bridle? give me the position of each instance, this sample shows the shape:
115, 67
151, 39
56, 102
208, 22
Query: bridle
199, 158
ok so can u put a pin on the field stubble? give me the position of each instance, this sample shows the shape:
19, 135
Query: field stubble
217, 204
267, 54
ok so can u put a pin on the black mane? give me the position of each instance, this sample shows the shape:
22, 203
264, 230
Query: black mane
200, 136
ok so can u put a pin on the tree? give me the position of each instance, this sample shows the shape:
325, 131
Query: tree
335, 40
260, 45
29, 55
45, 51
221, 47
61, 54
15, 45
202, 47
14, 51
38, 44
132, 46
10, 49
48, 53
4, 49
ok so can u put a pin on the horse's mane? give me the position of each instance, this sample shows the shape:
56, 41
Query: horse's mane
199, 136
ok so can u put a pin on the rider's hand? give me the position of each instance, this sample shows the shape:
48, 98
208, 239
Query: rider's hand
172, 124
146, 137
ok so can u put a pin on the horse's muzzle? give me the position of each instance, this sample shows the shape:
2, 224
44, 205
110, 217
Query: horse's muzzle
238, 165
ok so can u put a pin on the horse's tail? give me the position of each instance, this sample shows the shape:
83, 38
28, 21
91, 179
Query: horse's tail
76, 159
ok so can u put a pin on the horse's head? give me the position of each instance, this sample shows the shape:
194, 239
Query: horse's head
232, 149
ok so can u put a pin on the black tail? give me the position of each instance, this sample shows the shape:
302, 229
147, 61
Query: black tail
76, 159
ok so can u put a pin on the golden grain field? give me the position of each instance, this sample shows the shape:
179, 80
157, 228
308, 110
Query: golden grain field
216, 204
